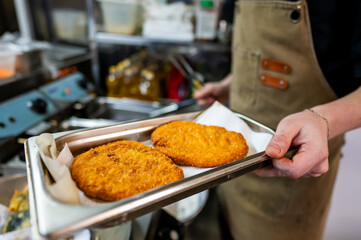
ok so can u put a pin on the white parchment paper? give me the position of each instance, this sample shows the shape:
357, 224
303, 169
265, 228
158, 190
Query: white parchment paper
64, 188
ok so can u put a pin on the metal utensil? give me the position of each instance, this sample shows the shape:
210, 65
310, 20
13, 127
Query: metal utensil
196, 79
172, 107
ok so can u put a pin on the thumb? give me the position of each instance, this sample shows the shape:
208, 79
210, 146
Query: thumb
282, 140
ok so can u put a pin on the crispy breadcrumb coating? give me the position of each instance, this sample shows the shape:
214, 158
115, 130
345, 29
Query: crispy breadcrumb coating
189, 143
121, 169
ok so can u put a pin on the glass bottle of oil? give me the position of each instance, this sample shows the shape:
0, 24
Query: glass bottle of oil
126, 62
144, 85
119, 74
135, 80
131, 82
112, 83
139, 56
149, 85
126, 82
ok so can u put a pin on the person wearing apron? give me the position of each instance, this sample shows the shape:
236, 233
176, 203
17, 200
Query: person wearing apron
276, 73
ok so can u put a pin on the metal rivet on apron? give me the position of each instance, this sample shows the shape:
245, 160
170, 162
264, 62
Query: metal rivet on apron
265, 63
285, 67
295, 16
282, 83
262, 77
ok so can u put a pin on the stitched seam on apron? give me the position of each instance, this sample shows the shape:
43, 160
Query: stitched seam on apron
256, 82
247, 52
279, 4
257, 55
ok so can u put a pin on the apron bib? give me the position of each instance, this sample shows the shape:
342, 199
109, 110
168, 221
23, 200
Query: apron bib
276, 73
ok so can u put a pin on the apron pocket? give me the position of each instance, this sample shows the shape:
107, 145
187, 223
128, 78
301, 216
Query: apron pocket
245, 74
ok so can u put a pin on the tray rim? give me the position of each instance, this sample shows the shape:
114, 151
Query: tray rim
112, 213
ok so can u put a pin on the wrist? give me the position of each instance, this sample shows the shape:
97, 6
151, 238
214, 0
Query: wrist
329, 111
226, 82
321, 116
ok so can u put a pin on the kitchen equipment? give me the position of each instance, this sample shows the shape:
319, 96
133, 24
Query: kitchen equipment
121, 16
172, 107
31, 55
28, 53
70, 104
126, 109
26, 112
8, 54
171, 21
75, 217
29, 60
207, 14
70, 24
8, 185
194, 79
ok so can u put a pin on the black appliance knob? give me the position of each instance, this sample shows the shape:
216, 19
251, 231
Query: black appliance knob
83, 83
38, 105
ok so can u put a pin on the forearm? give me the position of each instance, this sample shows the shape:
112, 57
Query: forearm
343, 114
226, 82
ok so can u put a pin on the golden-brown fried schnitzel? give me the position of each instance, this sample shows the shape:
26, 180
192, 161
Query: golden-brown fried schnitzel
121, 169
189, 143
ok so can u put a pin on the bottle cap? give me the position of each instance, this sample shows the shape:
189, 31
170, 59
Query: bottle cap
207, 3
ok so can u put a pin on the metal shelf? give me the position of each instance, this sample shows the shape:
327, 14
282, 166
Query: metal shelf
136, 40
103, 37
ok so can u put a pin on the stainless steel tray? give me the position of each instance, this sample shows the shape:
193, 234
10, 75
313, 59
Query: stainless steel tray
52, 218
125, 109
9, 184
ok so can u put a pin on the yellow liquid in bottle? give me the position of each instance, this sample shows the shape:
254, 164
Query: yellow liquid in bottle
112, 83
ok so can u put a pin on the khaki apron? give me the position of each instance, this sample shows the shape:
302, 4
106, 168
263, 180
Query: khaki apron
276, 73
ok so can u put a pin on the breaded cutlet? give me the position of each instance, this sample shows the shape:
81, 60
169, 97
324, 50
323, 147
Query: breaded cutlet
122, 169
193, 144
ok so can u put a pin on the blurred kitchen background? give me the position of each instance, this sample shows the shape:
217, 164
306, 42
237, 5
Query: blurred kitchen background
68, 64
64, 63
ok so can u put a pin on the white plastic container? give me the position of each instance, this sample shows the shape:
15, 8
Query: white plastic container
121, 16
7, 60
70, 24
207, 16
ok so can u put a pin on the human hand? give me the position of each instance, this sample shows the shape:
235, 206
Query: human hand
307, 131
214, 91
